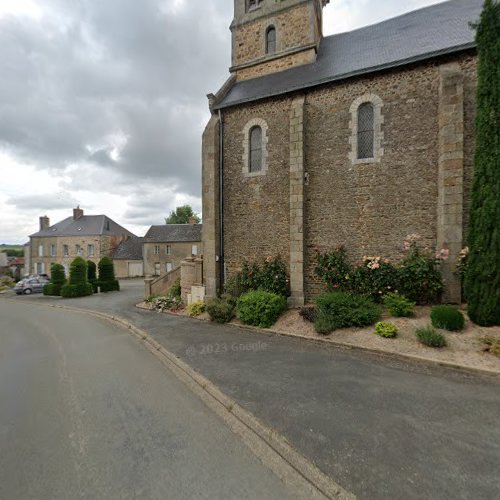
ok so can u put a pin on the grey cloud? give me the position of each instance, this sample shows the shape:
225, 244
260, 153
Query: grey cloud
42, 202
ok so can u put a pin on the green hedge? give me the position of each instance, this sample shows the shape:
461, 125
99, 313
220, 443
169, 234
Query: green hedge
57, 280
107, 281
260, 308
73, 291
78, 285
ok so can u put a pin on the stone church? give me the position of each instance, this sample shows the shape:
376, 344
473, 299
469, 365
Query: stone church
356, 139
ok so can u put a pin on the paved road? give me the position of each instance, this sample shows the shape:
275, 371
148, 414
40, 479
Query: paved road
380, 428
86, 412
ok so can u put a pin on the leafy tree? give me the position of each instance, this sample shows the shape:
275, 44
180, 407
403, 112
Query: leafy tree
482, 280
182, 215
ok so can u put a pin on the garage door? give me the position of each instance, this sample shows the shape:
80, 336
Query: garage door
135, 269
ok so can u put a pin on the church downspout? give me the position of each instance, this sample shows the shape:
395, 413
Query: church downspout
222, 267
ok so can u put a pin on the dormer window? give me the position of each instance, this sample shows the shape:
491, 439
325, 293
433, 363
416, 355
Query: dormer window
271, 40
254, 4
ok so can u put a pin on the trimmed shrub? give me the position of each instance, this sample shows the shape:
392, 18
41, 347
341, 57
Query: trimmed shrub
308, 313
221, 310
195, 309
343, 310
107, 281
78, 285
92, 275
430, 337
386, 330
57, 281
399, 306
447, 318
261, 308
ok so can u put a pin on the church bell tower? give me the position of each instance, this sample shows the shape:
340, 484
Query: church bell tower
269, 36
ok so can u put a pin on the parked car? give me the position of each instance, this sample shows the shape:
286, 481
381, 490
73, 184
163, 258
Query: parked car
28, 286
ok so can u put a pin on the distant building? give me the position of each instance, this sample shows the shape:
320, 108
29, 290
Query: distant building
166, 246
128, 258
88, 236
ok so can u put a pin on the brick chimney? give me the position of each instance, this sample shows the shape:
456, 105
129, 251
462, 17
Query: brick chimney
192, 220
77, 213
44, 223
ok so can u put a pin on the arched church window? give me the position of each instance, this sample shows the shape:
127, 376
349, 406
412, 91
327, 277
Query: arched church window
271, 40
366, 131
255, 160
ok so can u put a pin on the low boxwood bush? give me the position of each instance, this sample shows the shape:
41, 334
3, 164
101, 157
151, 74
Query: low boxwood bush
430, 337
344, 310
195, 309
447, 318
221, 310
399, 306
386, 330
260, 308
73, 291
109, 286
78, 285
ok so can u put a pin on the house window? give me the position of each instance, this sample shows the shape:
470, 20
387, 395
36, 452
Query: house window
255, 140
78, 250
194, 249
40, 250
53, 251
255, 160
168, 267
271, 40
66, 250
91, 250
40, 268
157, 250
168, 249
366, 130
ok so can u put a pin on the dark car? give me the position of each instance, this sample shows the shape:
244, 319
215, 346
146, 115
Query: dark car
28, 286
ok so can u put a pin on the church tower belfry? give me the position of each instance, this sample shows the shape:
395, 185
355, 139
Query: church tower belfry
274, 35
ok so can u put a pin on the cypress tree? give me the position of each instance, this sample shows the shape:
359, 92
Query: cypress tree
92, 275
107, 280
57, 280
78, 285
482, 279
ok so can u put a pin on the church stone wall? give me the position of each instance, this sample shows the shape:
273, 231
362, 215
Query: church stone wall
256, 209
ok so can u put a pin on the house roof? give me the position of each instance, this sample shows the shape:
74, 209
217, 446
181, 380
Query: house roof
130, 249
420, 35
87, 225
172, 233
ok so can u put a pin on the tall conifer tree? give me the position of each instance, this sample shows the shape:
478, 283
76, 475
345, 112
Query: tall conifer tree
482, 280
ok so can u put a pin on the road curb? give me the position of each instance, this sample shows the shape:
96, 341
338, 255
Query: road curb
272, 449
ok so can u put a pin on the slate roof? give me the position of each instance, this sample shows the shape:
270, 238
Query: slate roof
87, 225
174, 233
417, 36
130, 249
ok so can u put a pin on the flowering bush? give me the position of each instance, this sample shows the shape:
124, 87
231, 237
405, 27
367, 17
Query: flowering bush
334, 270
270, 276
376, 277
166, 303
461, 266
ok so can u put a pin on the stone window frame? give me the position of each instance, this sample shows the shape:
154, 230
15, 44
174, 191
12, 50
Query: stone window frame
270, 27
255, 122
378, 121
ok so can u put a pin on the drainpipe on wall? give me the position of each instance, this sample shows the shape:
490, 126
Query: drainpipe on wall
222, 266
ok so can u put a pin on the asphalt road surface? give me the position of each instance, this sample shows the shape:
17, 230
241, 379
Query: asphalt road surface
86, 412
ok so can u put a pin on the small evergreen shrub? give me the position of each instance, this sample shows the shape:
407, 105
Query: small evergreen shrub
92, 275
386, 330
430, 337
195, 309
107, 281
261, 308
308, 313
221, 310
176, 291
399, 306
78, 285
343, 310
57, 281
447, 318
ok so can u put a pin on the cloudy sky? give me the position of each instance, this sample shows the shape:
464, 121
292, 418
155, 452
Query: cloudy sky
103, 102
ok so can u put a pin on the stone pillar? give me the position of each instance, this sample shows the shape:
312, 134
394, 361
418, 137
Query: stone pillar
210, 194
451, 175
147, 288
297, 203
